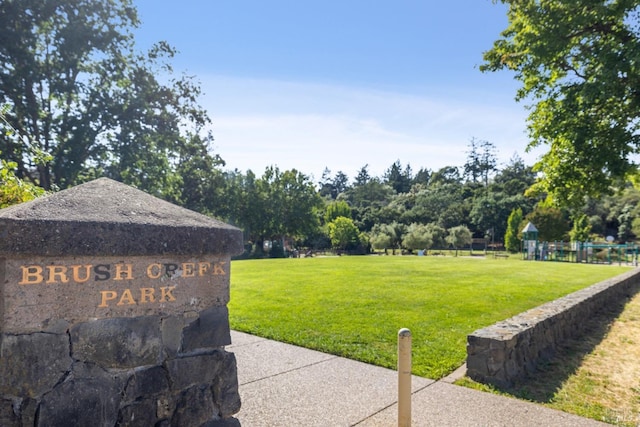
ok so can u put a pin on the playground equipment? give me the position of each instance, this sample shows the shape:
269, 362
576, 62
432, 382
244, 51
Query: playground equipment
530, 242
586, 252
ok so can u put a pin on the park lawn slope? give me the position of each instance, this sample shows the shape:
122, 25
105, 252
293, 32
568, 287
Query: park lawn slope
354, 306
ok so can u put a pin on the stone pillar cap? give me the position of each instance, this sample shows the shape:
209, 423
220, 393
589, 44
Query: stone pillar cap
105, 217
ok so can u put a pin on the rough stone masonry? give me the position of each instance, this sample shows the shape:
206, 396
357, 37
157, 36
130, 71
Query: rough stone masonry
113, 312
508, 351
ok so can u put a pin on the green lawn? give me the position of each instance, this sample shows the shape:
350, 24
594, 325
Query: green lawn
354, 306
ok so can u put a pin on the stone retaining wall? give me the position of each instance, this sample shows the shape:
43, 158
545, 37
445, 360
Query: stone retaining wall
512, 349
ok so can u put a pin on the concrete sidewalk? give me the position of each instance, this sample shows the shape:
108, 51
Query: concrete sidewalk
285, 385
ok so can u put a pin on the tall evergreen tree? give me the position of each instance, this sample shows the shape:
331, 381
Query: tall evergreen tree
398, 179
512, 241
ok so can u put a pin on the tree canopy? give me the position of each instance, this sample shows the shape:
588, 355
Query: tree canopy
417, 237
579, 64
78, 101
459, 236
82, 102
343, 233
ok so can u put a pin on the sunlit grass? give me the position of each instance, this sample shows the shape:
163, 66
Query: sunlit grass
354, 306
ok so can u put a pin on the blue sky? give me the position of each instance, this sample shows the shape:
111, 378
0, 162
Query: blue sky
341, 84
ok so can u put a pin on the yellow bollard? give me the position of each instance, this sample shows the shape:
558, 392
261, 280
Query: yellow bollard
404, 378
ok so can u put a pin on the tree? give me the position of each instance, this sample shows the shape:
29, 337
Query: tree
380, 238
417, 237
343, 233
244, 205
581, 229
488, 161
551, 223
385, 236
363, 176
198, 183
472, 166
439, 203
325, 183
489, 213
340, 183
396, 209
625, 227
13, 190
290, 204
459, 237
446, 175
481, 161
515, 177
398, 179
78, 92
635, 226
366, 200
438, 235
422, 177
579, 64
372, 193
337, 209
512, 239
332, 187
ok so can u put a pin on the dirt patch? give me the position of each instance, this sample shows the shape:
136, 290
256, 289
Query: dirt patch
609, 377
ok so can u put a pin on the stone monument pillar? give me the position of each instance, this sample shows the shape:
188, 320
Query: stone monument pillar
113, 312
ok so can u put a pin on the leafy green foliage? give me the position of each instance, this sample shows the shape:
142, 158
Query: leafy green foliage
366, 199
330, 187
459, 237
13, 190
514, 178
491, 212
443, 204
552, 223
381, 240
78, 92
276, 205
625, 221
512, 241
343, 233
438, 235
579, 64
398, 179
635, 226
581, 229
337, 209
417, 237
290, 202
385, 236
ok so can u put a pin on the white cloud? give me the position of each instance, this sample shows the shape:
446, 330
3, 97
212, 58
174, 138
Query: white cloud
258, 123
